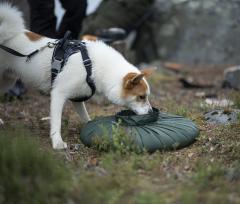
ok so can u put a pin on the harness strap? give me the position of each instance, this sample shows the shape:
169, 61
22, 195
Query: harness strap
63, 50
88, 66
58, 58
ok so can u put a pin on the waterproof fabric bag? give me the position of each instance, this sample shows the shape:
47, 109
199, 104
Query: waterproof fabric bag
151, 132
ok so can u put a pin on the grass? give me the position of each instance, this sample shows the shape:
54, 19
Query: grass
29, 174
157, 78
112, 173
235, 97
121, 176
118, 143
207, 172
212, 183
173, 107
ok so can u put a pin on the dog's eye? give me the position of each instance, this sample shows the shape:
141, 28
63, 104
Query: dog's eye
142, 97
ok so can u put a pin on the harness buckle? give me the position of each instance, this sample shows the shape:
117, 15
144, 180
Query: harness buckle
64, 48
51, 44
87, 62
57, 64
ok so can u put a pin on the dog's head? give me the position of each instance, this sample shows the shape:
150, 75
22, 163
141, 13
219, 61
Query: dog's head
135, 91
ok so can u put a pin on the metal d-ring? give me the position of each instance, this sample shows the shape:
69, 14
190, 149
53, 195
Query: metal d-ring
51, 44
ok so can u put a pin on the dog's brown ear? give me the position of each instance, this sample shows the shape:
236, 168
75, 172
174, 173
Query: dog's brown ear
148, 71
132, 79
135, 80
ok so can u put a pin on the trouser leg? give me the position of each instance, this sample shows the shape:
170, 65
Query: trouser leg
42, 17
72, 19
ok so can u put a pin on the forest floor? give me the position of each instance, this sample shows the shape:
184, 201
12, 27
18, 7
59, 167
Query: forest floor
208, 171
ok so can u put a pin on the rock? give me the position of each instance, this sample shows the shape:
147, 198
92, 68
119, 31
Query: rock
220, 116
232, 78
185, 31
191, 31
223, 103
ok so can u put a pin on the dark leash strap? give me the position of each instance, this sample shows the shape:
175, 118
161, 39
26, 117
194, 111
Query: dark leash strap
29, 56
63, 49
13, 52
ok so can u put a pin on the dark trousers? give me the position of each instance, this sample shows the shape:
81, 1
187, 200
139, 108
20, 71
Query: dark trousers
43, 19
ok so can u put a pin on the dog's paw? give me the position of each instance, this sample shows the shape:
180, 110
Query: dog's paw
59, 145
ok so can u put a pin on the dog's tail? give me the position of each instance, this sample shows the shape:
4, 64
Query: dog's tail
11, 22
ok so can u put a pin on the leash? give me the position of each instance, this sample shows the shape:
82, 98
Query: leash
29, 56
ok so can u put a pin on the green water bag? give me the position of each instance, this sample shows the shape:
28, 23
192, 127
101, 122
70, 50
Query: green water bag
153, 131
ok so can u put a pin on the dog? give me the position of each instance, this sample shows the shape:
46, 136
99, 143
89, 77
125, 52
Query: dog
114, 77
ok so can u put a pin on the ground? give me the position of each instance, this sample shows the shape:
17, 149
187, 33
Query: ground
205, 172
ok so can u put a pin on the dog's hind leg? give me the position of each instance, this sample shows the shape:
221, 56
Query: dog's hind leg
82, 111
7, 80
57, 102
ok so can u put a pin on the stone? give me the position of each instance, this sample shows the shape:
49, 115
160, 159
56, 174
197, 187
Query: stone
223, 103
232, 78
221, 116
183, 31
191, 31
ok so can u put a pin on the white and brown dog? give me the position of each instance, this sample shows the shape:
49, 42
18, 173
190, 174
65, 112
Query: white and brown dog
121, 82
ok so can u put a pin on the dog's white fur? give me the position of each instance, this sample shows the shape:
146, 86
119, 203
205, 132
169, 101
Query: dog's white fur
109, 69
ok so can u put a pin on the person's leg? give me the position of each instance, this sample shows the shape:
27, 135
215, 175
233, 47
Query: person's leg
72, 19
42, 17
124, 14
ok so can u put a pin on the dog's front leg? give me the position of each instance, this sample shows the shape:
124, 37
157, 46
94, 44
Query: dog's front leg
82, 111
57, 103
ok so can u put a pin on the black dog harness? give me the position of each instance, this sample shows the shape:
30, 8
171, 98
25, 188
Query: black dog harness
62, 51
64, 48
